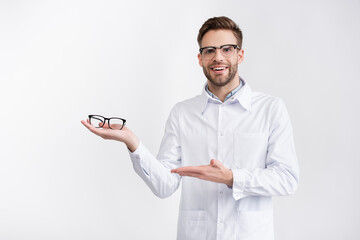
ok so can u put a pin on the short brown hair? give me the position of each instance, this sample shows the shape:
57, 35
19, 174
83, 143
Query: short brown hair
216, 23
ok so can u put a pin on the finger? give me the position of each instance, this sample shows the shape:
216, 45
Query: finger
196, 175
87, 124
216, 163
182, 169
116, 126
106, 125
199, 176
190, 170
93, 129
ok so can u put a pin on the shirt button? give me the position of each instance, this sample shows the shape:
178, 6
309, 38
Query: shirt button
221, 192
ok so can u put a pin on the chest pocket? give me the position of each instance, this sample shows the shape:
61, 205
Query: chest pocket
250, 150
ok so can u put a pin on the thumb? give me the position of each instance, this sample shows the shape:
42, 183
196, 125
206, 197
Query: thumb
216, 163
213, 162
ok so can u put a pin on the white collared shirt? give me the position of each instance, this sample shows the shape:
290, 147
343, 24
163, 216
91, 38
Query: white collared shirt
250, 134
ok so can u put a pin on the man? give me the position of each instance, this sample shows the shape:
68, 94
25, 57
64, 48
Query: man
232, 148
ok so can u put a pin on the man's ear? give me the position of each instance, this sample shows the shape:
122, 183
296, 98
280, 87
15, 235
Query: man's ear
200, 60
240, 56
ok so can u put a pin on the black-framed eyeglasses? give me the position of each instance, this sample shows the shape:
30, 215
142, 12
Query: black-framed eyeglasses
113, 122
226, 50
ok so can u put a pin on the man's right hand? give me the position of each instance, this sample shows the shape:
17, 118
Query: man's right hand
124, 135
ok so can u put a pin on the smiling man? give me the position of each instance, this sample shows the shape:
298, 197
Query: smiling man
221, 70
232, 148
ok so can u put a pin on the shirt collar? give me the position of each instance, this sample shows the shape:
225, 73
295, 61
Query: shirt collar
243, 96
228, 96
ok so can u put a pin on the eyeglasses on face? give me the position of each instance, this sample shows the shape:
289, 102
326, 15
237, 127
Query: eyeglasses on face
113, 122
226, 50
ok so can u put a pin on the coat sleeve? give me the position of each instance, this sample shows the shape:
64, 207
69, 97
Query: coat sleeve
155, 171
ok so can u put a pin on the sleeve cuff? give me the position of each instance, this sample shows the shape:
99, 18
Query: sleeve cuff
239, 176
138, 158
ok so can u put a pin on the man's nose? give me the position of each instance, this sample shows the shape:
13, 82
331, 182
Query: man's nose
218, 56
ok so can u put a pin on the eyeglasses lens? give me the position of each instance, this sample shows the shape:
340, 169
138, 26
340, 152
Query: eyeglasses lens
116, 123
227, 51
97, 121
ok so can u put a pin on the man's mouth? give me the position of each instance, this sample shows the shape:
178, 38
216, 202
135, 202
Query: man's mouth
219, 68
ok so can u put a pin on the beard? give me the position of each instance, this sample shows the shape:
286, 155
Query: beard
221, 80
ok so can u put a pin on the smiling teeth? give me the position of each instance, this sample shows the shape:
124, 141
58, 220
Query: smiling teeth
219, 68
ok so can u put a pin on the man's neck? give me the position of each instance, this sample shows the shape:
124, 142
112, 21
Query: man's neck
222, 91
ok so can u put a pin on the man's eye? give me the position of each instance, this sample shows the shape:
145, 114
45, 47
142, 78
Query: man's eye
226, 49
209, 51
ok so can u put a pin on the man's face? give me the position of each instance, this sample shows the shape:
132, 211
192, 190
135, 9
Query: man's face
220, 70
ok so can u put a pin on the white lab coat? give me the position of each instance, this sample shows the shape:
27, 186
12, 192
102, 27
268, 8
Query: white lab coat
249, 133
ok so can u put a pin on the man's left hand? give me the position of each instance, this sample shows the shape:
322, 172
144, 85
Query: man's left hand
214, 172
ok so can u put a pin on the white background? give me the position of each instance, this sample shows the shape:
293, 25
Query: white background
63, 60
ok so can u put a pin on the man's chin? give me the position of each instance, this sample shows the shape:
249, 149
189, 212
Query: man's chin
219, 82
